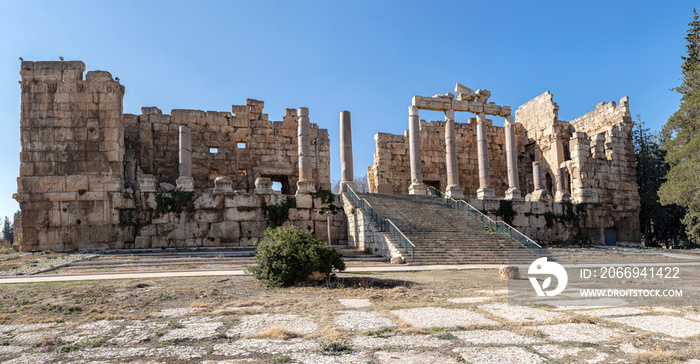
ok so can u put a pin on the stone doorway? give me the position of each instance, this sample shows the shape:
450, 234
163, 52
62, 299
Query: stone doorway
611, 236
433, 184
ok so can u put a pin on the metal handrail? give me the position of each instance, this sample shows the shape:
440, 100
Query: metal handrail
384, 224
495, 226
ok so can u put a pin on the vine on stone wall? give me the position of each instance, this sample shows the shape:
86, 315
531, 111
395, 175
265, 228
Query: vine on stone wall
327, 197
506, 211
278, 213
178, 201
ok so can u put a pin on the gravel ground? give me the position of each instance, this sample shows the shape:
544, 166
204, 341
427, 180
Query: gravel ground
228, 320
503, 355
521, 314
428, 317
256, 324
499, 337
668, 325
578, 332
362, 321
40, 262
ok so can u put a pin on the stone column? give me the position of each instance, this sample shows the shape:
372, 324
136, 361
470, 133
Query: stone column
485, 191
346, 172
305, 183
417, 187
539, 194
562, 195
513, 192
185, 180
453, 189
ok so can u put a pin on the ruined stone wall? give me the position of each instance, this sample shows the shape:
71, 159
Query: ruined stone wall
221, 220
71, 171
547, 137
91, 177
391, 170
597, 153
267, 149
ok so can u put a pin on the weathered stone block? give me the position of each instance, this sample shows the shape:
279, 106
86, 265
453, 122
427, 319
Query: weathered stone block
304, 201
142, 242
242, 213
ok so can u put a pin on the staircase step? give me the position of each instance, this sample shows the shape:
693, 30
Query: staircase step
443, 235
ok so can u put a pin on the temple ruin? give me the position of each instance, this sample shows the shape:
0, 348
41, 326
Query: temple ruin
93, 177
90, 175
538, 162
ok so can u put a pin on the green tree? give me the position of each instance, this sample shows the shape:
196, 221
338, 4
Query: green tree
287, 256
7, 233
693, 46
681, 135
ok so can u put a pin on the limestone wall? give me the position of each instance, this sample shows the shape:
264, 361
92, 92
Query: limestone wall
547, 139
391, 170
71, 171
89, 174
221, 220
267, 149
567, 224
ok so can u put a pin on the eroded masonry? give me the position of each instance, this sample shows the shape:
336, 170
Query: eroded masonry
94, 177
566, 181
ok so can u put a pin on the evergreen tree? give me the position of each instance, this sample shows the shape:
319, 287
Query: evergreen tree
660, 224
7, 231
681, 136
693, 46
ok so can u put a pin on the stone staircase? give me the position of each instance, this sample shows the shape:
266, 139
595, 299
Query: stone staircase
443, 235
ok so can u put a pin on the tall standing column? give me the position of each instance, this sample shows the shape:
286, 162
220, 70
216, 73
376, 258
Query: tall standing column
346, 172
485, 191
513, 192
453, 189
185, 180
305, 183
417, 187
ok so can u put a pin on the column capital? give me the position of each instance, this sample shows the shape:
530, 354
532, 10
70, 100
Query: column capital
449, 115
510, 119
413, 110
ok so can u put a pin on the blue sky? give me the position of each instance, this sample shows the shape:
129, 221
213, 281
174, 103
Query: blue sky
368, 57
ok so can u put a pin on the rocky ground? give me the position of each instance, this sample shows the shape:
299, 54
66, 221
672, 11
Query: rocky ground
400, 317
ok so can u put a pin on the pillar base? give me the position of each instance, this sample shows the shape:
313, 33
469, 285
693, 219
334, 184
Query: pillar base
539, 195
562, 196
350, 184
185, 183
417, 189
147, 183
305, 186
486, 193
514, 194
456, 192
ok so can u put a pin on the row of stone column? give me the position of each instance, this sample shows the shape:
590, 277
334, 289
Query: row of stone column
454, 189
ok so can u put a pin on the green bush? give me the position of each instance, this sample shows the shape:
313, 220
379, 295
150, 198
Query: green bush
289, 255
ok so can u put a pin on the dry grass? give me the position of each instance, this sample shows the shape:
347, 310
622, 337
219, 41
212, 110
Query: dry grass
330, 333
411, 331
664, 356
275, 333
576, 319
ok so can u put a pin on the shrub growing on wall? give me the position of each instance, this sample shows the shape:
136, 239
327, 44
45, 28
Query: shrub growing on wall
289, 255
